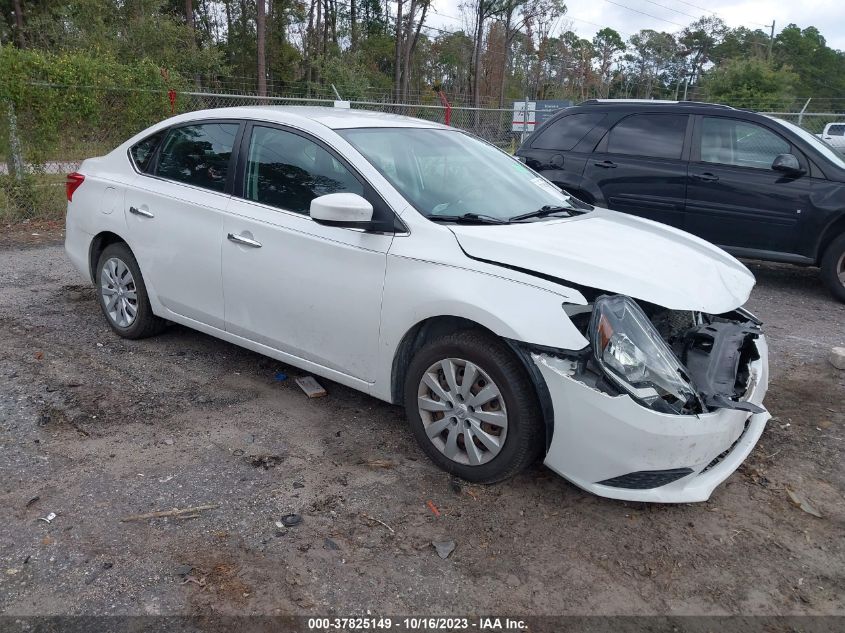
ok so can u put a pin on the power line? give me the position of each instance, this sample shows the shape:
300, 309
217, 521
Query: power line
710, 11
619, 4
663, 6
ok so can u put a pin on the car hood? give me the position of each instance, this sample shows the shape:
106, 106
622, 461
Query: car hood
619, 254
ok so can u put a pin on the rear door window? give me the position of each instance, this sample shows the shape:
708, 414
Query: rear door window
198, 154
836, 130
567, 132
740, 143
651, 135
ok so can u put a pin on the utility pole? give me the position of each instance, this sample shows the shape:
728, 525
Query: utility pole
771, 42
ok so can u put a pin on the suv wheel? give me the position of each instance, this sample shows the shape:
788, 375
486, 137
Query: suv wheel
833, 267
473, 408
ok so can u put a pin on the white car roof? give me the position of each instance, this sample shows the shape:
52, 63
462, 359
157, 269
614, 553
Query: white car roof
333, 118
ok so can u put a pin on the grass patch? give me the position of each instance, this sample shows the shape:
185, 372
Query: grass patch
35, 196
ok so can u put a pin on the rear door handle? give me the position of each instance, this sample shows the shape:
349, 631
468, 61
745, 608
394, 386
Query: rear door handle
142, 212
245, 241
706, 177
607, 164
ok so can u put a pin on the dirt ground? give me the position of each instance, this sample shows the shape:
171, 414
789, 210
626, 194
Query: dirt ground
95, 429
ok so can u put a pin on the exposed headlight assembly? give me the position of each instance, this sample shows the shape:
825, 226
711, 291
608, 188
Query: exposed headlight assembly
634, 356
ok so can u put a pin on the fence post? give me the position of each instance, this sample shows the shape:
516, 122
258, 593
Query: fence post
801, 114
15, 159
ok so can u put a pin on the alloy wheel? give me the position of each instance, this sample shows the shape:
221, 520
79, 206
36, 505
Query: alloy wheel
840, 269
463, 411
118, 292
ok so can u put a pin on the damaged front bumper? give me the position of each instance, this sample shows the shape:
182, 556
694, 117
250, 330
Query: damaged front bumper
614, 447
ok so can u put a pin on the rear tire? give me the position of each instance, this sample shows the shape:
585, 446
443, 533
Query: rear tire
833, 267
123, 296
484, 430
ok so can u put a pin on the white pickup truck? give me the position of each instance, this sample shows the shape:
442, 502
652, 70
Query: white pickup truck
834, 135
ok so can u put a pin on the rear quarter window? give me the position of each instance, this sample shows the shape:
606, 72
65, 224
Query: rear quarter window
565, 133
142, 152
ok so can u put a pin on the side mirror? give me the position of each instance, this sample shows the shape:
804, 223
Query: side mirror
342, 209
788, 164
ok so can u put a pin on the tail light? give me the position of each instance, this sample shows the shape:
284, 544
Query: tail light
73, 181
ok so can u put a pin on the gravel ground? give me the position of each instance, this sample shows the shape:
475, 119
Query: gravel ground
95, 429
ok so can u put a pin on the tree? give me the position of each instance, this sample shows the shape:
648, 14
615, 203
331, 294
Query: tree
696, 43
650, 61
819, 67
261, 55
397, 60
750, 83
607, 44
483, 10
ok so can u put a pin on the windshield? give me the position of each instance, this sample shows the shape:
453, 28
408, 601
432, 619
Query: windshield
831, 154
449, 173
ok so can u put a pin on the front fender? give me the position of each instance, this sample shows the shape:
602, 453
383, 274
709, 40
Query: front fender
416, 290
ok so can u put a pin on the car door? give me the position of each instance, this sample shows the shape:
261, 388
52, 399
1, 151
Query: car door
560, 148
640, 166
734, 197
309, 290
174, 212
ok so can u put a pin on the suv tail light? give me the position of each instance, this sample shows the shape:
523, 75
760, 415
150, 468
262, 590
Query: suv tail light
73, 181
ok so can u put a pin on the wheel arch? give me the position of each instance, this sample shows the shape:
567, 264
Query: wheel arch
833, 230
432, 328
100, 242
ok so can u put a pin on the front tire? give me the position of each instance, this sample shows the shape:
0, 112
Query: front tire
833, 267
472, 407
123, 295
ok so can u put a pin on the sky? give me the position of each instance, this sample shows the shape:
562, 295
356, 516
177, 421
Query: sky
585, 17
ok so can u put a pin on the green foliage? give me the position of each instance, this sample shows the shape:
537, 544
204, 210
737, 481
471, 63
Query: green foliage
820, 69
64, 102
125, 31
352, 77
32, 196
745, 82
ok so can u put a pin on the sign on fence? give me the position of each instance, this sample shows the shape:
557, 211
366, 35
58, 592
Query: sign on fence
524, 116
547, 109
527, 119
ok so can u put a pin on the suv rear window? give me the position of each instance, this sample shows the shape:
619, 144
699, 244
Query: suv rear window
654, 135
567, 132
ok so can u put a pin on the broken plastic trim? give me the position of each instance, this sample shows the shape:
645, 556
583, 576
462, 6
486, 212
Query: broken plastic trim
718, 356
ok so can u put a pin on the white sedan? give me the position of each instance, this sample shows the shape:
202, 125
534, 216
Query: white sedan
425, 267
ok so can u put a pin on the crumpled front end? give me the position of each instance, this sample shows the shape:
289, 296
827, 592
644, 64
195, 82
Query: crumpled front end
611, 441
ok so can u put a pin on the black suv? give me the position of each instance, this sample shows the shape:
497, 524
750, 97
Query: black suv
757, 186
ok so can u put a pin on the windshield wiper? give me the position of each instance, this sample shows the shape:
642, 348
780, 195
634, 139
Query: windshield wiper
541, 212
468, 218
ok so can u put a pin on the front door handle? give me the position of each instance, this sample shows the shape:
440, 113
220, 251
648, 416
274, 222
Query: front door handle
142, 212
245, 241
706, 177
607, 164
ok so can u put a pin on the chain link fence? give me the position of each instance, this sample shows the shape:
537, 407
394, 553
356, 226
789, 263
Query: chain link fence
59, 126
